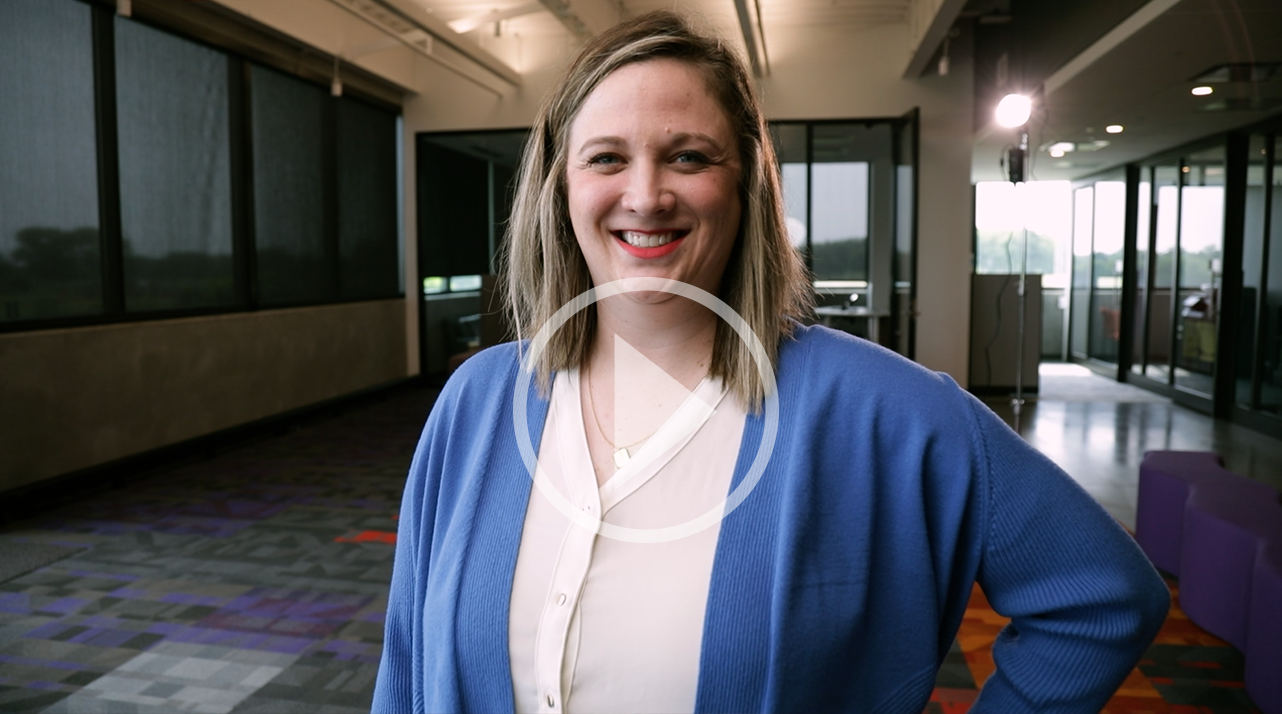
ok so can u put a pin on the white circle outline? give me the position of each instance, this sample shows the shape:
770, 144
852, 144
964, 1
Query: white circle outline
769, 434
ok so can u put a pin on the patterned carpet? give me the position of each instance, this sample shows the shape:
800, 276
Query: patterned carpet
1185, 671
256, 581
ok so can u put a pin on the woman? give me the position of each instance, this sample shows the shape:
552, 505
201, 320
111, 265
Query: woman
839, 582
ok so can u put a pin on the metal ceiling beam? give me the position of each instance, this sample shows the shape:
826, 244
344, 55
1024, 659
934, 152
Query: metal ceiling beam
443, 33
467, 24
585, 18
753, 35
929, 22
561, 10
1112, 39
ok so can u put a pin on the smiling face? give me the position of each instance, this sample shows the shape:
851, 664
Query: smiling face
653, 176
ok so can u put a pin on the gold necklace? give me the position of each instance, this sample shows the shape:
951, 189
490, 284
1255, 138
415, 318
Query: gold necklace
621, 454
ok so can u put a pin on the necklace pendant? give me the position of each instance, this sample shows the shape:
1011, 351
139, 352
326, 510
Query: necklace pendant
621, 458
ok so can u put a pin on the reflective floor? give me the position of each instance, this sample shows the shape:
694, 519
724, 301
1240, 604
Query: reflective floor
1100, 443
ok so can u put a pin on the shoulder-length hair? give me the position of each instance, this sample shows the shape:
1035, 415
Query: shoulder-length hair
764, 281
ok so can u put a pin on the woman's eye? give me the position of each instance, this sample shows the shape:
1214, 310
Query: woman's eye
691, 157
603, 160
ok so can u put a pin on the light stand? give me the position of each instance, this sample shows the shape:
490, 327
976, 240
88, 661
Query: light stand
1017, 165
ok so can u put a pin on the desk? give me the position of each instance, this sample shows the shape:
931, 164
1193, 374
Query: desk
843, 318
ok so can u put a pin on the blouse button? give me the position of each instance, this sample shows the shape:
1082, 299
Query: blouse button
551, 701
561, 600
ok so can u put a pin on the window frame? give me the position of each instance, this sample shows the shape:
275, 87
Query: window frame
249, 48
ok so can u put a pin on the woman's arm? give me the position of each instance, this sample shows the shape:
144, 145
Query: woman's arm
399, 687
1084, 601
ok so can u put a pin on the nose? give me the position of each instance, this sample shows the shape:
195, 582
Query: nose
647, 193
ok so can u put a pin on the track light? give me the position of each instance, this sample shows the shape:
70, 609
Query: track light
1013, 110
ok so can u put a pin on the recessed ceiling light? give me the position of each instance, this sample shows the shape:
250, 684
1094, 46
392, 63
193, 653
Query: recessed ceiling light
1114, 128
1057, 153
1062, 147
1202, 91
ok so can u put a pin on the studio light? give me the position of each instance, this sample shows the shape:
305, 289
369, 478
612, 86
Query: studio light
1202, 91
1013, 110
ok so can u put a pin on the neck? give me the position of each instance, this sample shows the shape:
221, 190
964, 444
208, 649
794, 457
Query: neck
675, 334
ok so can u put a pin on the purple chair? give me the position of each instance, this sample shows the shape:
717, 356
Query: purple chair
1166, 481
1224, 530
1221, 535
1264, 631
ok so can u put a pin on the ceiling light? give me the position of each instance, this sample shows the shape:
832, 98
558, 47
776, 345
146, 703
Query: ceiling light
1114, 128
1013, 111
1062, 147
1202, 91
1057, 153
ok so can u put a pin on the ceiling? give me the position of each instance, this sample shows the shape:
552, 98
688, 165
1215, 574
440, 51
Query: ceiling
1140, 76
533, 18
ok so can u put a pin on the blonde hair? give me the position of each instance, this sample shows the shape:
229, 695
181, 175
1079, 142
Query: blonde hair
764, 281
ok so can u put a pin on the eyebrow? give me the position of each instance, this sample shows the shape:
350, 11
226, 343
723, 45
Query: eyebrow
677, 138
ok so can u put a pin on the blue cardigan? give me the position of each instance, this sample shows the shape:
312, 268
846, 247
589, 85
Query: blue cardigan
837, 586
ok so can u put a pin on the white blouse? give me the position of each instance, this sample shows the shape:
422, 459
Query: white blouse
599, 624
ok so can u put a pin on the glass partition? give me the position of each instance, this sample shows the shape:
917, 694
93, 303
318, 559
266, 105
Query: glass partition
1166, 197
1080, 297
1254, 236
1143, 234
1271, 306
1106, 296
1201, 240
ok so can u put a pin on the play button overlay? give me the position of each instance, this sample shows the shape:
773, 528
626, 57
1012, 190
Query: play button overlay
645, 398
649, 406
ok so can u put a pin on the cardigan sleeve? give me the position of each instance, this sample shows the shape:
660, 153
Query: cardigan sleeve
1084, 601
399, 685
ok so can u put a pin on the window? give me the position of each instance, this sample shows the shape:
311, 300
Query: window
50, 253
290, 176
147, 173
175, 171
368, 238
792, 147
1002, 212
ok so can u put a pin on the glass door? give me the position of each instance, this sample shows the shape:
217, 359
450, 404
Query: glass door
1143, 237
1201, 243
1106, 294
1270, 343
1160, 305
1080, 293
1254, 249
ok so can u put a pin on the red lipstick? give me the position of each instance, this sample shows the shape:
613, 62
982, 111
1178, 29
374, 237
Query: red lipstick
650, 253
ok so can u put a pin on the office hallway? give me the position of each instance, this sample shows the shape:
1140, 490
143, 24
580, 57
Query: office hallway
255, 580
